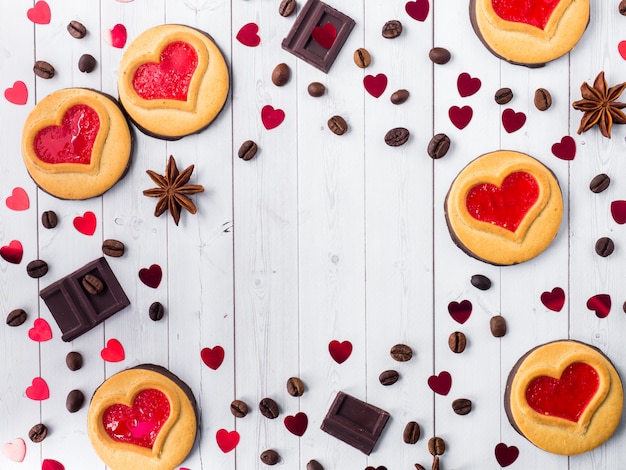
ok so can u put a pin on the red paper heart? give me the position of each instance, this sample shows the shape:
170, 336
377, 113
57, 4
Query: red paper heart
565, 149
297, 424
272, 117
116, 36
113, 352
248, 35
151, 276
441, 383
554, 300
13, 252
85, 224
15, 450
418, 10
621, 48
325, 35
38, 390
618, 211
512, 121
375, 85
40, 13
17, 94
506, 455
467, 85
340, 351
212, 357
536, 13
460, 311
226, 440
18, 200
601, 304
50, 464
40, 331
460, 117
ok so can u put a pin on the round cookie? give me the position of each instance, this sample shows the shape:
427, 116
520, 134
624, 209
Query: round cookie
144, 417
76, 143
173, 81
529, 33
504, 208
565, 397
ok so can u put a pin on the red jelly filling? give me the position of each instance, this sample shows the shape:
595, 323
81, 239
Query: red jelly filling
533, 12
566, 397
72, 141
505, 206
170, 78
140, 423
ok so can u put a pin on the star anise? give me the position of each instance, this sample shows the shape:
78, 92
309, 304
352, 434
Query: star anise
173, 190
600, 106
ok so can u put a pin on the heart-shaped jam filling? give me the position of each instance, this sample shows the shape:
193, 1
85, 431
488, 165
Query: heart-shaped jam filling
169, 78
72, 141
536, 13
566, 397
507, 205
140, 423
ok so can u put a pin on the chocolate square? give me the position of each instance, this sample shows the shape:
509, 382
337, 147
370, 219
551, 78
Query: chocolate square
300, 41
74, 309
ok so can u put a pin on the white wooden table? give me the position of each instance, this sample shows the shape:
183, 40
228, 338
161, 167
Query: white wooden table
318, 238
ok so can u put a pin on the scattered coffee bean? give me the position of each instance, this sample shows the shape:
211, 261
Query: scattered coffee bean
74, 401
399, 96
401, 353
270, 457
462, 406
248, 150
43, 69
76, 29
599, 183
314, 465
37, 268
113, 248
295, 387
543, 99
281, 74
457, 342
380, 467
269, 408
436, 446
38, 432
74, 360
16, 317
316, 89
49, 219
438, 146
362, 58
388, 377
604, 246
92, 284
337, 125
87, 63
286, 7
392, 29
481, 282
503, 95
435, 463
497, 325
156, 311
411, 432
439, 55
238, 408
622, 7
397, 136
419, 467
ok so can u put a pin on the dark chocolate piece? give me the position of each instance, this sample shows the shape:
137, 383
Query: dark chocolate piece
355, 422
74, 309
300, 40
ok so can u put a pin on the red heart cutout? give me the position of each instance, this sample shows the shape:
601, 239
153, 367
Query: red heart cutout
40, 13
375, 85
18, 200
324, 35
554, 300
441, 383
566, 149
601, 304
467, 85
151, 276
621, 48
535, 13
17, 94
340, 352
248, 35
116, 36
85, 224
40, 331
113, 352
38, 390
506, 455
212, 357
460, 117
618, 211
297, 424
50, 464
272, 117
512, 121
227, 441
13, 252
418, 10
460, 311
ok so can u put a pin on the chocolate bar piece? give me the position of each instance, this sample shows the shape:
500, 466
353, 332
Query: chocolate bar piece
300, 40
355, 422
77, 311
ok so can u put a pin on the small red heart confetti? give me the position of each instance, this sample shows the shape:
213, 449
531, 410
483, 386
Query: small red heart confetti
17, 94
13, 252
40, 13
618, 211
86, 224
460, 117
38, 390
441, 383
565, 149
506, 455
15, 450
40, 331
512, 121
460, 311
248, 35
212, 357
554, 300
18, 200
375, 85
151, 276
467, 85
226, 440
621, 48
50, 464
340, 351
325, 35
272, 117
601, 304
113, 352
418, 10
297, 424
116, 36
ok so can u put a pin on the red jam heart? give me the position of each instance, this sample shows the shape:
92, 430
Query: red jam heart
566, 397
170, 78
536, 13
72, 141
140, 423
505, 206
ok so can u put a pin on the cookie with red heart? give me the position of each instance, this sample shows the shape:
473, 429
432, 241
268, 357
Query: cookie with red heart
144, 417
565, 397
173, 81
529, 33
76, 143
504, 208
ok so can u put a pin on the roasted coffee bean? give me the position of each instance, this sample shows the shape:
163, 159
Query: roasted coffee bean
74, 360
156, 311
49, 219
74, 401
462, 406
457, 342
248, 150
270, 457
599, 183
38, 432
622, 7
439, 55
397, 136
76, 29
238, 408
43, 69
388, 377
92, 284
436, 446
316, 89
411, 432
380, 467
314, 465
503, 95
401, 353
438, 146
362, 58
337, 125
286, 7
392, 29
497, 325
281, 74
604, 246
295, 387
16, 317
269, 408
481, 282
87, 63
435, 463
399, 96
419, 467
543, 99
113, 248
37, 268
